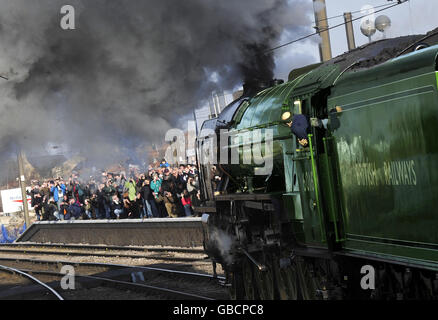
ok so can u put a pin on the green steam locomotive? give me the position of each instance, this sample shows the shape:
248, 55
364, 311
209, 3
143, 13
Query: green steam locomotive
352, 214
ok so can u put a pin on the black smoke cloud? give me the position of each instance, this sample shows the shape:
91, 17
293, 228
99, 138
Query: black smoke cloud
130, 69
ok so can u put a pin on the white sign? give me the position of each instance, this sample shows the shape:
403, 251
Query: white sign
12, 201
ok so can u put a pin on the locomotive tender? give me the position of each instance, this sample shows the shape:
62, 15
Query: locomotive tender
355, 213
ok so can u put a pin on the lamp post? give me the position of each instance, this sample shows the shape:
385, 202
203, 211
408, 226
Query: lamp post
22, 180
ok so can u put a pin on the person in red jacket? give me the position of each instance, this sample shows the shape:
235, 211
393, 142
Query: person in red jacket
187, 203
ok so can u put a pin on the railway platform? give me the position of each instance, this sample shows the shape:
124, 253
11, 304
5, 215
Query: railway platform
176, 232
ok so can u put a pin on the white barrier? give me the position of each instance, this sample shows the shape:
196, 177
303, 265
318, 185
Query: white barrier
12, 200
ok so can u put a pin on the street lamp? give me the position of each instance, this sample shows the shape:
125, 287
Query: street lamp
382, 23
369, 26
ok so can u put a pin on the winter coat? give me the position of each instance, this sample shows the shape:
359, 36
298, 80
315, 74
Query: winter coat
132, 190
54, 191
74, 210
146, 193
169, 203
49, 210
186, 201
108, 193
155, 185
36, 201
64, 208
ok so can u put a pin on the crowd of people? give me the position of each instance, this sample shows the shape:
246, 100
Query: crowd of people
162, 191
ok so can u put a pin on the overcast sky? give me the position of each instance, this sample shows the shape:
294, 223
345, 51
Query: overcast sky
412, 17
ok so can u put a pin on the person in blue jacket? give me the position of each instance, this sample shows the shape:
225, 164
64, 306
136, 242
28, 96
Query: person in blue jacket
164, 164
300, 128
58, 189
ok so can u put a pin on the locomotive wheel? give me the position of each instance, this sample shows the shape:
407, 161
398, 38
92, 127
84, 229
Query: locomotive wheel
265, 283
287, 282
232, 290
236, 291
248, 281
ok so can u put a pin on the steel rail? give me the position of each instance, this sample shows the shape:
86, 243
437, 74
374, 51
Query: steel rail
22, 272
112, 265
131, 284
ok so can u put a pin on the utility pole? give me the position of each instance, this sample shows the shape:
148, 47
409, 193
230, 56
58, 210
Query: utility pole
325, 50
22, 180
349, 31
196, 122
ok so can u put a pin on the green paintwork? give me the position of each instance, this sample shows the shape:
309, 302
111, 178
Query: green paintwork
313, 228
317, 190
294, 74
265, 108
376, 176
330, 187
388, 155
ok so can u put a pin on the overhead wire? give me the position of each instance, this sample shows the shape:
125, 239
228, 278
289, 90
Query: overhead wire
329, 28
352, 12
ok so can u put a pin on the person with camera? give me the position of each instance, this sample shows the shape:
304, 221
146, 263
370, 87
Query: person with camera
117, 208
170, 204
64, 206
45, 190
58, 190
108, 191
37, 200
131, 190
76, 190
86, 210
156, 185
149, 200
94, 202
51, 211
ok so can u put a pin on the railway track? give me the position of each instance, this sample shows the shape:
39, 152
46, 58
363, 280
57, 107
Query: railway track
46, 288
152, 281
105, 251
